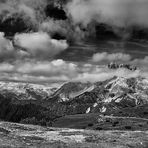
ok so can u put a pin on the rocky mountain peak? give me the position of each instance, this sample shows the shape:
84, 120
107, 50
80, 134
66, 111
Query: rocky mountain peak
126, 66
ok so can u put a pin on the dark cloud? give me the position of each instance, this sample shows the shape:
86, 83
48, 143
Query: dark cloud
120, 19
17, 17
114, 12
55, 12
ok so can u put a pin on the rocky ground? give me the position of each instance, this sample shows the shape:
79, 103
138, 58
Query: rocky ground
20, 135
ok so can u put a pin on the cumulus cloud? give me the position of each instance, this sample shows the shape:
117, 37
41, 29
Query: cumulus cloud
115, 12
40, 44
61, 71
99, 57
46, 68
6, 67
37, 45
57, 80
27, 11
142, 63
56, 70
72, 32
51, 26
105, 74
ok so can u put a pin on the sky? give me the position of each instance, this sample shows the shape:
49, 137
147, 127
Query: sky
34, 56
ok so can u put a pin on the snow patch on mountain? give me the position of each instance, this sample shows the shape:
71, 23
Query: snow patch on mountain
25, 91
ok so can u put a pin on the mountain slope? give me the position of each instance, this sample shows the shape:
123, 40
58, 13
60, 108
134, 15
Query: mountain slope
111, 95
71, 90
39, 104
25, 91
125, 92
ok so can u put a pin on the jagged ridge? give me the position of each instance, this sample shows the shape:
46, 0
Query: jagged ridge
119, 96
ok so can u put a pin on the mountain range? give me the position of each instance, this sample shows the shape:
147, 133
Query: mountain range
119, 96
25, 91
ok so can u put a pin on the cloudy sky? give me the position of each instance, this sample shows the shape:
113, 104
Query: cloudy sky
33, 55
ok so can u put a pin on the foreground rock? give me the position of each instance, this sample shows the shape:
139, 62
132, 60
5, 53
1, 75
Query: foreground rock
19, 135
